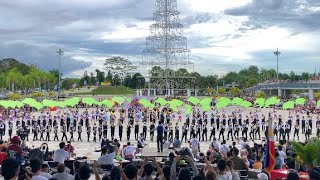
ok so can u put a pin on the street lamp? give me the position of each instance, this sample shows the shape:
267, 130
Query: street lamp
60, 52
277, 53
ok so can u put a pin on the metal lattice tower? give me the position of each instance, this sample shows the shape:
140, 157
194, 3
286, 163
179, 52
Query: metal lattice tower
166, 46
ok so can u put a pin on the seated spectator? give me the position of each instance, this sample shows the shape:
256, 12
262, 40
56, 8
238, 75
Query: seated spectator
115, 173
171, 159
61, 155
224, 148
176, 143
69, 148
85, 172
184, 173
141, 141
235, 175
76, 167
147, 169
15, 150
257, 164
62, 175
128, 152
108, 155
45, 171
10, 169
278, 161
166, 173
131, 172
223, 170
3, 155
239, 164
35, 165
292, 176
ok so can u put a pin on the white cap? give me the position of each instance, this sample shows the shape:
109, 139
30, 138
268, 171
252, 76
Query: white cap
262, 176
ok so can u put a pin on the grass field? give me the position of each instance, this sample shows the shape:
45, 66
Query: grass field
108, 90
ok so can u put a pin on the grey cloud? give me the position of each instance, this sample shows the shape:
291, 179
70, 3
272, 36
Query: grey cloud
295, 15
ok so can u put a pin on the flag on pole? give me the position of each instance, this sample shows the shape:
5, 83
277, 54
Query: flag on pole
270, 151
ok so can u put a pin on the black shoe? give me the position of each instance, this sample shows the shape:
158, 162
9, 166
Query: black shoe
158, 150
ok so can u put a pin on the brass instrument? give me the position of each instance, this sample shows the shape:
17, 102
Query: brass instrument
164, 110
170, 110
131, 110
113, 111
145, 110
122, 111
155, 109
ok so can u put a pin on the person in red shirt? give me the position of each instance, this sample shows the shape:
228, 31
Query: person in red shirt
69, 148
15, 150
3, 155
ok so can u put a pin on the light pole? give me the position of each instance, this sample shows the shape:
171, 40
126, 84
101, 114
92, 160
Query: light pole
277, 53
60, 52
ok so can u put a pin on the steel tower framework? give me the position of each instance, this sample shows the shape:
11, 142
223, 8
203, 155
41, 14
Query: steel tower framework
166, 47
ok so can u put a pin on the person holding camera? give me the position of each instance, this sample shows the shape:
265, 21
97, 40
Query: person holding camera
109, 152
141, 143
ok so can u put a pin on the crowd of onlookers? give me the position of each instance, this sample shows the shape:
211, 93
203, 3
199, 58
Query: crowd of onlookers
220, 162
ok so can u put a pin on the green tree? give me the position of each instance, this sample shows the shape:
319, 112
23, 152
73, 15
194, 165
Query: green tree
235, 91
119, 66
222, 90
100, 76
109, 77
260, 94
13, 78
116, 81
137, 81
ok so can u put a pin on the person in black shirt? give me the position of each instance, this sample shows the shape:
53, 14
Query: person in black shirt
160, 130
100, 131
136, 130
112, 126
88, 132
79, 132
64, 133
152, 132
184, 133
94, 130
72, 129
144, 130
128, 131
55, 130
204, 132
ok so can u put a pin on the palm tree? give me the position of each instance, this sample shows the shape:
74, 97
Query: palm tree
13, 77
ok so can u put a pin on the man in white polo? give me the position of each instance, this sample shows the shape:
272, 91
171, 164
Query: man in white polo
61, 155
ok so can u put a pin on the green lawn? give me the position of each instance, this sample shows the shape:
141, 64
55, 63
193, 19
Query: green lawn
109, 90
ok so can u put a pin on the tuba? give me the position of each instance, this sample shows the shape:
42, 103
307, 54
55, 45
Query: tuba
170, 110
113, 111
155, 109
164, 110
122, 111
145, 110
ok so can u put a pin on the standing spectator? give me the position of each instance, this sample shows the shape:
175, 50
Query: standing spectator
62, 175
223, 173
239, 164
10, 169
35, 165
45, 171
60, 155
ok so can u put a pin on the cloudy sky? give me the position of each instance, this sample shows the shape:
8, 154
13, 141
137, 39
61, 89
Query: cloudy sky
223, 35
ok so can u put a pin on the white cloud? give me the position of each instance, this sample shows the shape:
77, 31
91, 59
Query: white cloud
127, 34
214, 6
